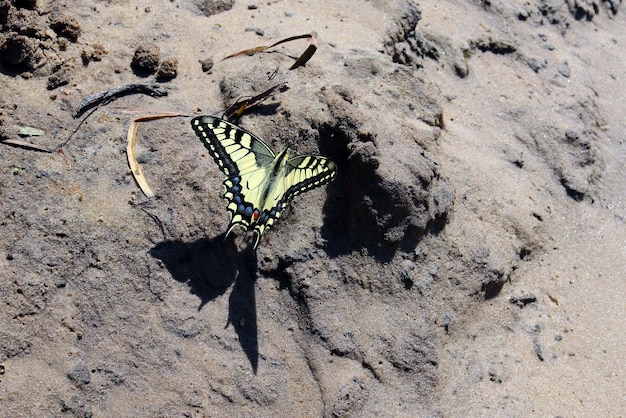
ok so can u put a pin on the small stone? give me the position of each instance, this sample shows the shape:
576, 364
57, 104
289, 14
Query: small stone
564, 69
523, 15
537, 64
207, 65
258, 31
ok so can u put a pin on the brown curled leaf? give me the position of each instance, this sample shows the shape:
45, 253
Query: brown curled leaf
250, 51
307, 54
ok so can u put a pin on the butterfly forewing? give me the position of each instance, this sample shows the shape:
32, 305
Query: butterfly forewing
234, 149
259, 183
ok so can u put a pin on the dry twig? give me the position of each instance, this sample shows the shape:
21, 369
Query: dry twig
107, 96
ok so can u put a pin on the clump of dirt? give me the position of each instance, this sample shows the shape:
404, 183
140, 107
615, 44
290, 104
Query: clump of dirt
4, 10
19, 53
147, 61
213, 7
92, 53
60, 77
167, 70
33, 44
25, 22
407, 45
66, 27
207, 65
25, 4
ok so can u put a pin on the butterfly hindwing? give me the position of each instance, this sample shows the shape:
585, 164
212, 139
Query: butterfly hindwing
308, 172
299, 175
259, 183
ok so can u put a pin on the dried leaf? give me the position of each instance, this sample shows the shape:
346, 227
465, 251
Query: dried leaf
241, 105
28, 131
307, 54
250, 51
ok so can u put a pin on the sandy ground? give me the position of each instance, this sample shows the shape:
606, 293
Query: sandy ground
468, 260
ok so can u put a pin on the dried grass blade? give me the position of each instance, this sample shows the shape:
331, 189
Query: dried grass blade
250, 51
306, 55
23, 144
293, 38
131, 152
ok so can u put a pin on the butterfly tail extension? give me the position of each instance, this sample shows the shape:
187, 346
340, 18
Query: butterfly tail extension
228, 231
257, 239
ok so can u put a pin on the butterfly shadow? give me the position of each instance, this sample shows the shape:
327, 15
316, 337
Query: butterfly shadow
209, 267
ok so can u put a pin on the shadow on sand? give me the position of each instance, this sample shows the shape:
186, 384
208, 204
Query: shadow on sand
209, 267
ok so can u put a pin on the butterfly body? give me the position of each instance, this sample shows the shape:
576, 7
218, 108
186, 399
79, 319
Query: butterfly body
259, 184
